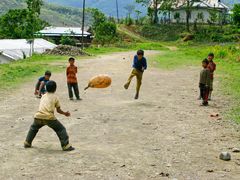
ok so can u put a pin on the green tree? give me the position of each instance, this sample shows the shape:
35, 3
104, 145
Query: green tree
188, 6
22, 23
236, 14
34, 6
177, 17
154, 5
106, 33
130, 9
98, 17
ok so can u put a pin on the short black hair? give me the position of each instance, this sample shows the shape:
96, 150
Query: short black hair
71, 59
140, 52
205, 61
51, 86
48, 73
211, 54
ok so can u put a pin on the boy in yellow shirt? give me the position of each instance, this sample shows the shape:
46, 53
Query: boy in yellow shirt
45, 116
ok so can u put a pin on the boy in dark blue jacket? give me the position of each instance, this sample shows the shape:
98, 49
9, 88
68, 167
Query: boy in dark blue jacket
139, 65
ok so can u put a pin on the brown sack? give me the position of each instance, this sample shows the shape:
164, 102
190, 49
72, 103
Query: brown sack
100, 81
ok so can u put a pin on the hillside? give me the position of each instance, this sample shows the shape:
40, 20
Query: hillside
54, 14
107, 6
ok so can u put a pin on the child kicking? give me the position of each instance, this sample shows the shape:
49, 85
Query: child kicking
204, 82
40, 85
45, 116
72, 82
139, 65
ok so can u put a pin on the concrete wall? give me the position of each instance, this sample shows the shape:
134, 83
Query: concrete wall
194, 14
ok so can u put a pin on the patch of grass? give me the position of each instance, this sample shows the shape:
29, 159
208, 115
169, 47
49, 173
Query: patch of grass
15, 73
121, 47
227, 57
175, 59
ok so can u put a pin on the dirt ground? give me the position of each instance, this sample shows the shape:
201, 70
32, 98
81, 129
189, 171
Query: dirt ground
163, 135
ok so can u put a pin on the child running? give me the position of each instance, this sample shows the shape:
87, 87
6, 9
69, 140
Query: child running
72, 82
45, 116
40, 85
212, 68
204, 82
139, 65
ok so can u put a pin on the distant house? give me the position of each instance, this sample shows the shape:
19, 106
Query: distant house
201, 12
56, 33
15, 49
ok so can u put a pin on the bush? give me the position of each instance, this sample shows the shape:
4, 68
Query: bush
66, 40
236, 14
106, 32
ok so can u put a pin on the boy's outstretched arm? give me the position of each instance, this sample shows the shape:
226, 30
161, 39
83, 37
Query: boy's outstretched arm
37, 87
60, 111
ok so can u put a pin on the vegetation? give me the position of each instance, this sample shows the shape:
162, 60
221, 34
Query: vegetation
22, 23
13, 74
55, 15
236, 14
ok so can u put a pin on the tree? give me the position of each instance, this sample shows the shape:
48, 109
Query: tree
19, 24
167, 6
106, 32
98, 17
177, 17
138, 13
154, 5
34, 6
130, 9
236, 14
188, 9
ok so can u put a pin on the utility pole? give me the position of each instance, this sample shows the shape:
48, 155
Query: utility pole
83, 24
117, 11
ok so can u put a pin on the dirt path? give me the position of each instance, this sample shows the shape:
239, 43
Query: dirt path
117, 137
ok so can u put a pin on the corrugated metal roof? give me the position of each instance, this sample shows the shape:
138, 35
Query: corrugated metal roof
59, 31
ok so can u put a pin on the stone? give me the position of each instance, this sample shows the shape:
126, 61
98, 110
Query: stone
236, 150
225, 156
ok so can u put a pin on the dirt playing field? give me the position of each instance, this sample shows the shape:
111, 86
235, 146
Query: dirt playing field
163, 135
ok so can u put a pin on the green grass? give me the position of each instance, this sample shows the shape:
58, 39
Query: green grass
176, 59
228, 67
94, 50
13, 74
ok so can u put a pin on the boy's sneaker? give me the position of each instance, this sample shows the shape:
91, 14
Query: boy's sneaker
69, 149
71, 99
27, 145
39, 96
205, 104
79, 99
126, 86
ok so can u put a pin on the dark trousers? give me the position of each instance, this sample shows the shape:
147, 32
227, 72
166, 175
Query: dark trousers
54, 124
204, 92
73, 86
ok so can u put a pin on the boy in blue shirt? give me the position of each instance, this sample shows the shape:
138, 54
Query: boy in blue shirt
139, 65
40, 86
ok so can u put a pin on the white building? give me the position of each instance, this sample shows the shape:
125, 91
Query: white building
200, 12
15, 49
